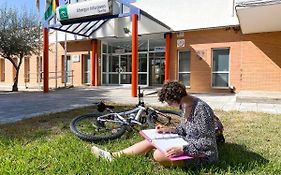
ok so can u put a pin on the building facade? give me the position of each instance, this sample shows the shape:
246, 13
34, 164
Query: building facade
213, 58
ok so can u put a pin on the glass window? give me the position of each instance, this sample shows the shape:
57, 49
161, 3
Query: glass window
2, 70
113, 63
220, 68
184, 67
15, 60
110, 49
142, 62
104, 48
142, 79
157, 44
113, 78
104, 78
143, 45
126, 63
125, 78
26, 69
104, 63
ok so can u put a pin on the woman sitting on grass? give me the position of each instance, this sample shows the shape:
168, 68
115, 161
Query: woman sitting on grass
197, 128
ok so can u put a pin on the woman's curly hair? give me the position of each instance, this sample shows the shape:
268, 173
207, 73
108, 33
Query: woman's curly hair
172, 91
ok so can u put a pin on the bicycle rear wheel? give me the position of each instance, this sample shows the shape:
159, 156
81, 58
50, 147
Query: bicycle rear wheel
88, 128
163, 117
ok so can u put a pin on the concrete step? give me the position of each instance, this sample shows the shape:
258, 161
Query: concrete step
258, 97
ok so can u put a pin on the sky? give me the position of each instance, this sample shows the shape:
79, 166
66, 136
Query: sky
28, 5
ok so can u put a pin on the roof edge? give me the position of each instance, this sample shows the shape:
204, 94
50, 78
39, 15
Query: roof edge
257, 3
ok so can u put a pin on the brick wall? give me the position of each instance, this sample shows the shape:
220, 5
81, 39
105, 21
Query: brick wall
203, 42
261, 62
255, 60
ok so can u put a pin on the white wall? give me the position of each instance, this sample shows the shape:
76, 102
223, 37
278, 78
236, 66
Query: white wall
191, 14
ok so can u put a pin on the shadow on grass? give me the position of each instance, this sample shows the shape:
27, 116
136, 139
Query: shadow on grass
236, 158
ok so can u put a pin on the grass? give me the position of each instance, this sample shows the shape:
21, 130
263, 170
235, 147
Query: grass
44, 145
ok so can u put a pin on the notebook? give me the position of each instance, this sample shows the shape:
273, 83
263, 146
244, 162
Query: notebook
165, 141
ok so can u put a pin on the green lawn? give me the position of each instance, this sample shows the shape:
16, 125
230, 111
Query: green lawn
44, 145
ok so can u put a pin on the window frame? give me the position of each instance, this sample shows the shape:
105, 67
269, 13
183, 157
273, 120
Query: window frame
27, 69
3, 71
218, 72
63, 69
185, 72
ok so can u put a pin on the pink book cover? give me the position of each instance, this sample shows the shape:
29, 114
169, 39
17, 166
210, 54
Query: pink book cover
165, 141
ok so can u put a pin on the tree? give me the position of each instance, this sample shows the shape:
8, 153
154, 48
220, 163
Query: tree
19, 37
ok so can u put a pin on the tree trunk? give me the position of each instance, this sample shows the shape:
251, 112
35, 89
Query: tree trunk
16, 79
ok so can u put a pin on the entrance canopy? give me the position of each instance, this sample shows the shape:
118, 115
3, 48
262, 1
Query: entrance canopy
100, 19
257, 16
117, 24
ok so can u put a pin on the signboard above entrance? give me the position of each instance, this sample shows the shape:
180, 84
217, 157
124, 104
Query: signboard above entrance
83, 11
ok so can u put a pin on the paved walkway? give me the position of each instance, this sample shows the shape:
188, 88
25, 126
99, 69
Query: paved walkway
20, 105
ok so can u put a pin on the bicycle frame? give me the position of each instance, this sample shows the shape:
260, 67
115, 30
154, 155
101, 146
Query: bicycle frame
112, 125
118, 117
134, 115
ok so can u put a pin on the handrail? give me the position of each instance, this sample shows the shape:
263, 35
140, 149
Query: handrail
38, 77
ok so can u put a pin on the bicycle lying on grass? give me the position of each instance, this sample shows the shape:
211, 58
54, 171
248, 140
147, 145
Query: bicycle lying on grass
108, 125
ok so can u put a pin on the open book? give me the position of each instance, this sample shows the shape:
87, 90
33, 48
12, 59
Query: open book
165, 141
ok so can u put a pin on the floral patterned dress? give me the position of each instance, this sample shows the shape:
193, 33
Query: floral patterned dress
199, 131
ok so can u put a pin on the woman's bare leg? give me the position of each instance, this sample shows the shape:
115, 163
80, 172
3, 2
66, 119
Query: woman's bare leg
165, 161
141, 147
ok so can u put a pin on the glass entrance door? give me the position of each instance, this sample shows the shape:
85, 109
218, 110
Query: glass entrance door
113, 69
118, 69
125, 69
142, 69
156, 68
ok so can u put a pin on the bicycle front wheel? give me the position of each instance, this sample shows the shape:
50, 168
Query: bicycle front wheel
163, 117
89, 128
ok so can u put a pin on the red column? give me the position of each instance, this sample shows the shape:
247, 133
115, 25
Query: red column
94, 58
46, 60
167, 56
134, 54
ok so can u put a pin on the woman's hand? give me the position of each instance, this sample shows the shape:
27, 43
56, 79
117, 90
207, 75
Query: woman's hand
174, 151
162, 129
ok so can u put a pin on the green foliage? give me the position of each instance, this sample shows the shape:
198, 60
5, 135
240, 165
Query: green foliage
19, 36
44, 145
19, 33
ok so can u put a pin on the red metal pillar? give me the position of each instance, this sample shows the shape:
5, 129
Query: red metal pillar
46, 60
94, 58
134, 54
167, 56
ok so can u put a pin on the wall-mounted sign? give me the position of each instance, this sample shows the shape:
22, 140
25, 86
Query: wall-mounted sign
75, 58
159, 49
180, 42
86, 10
